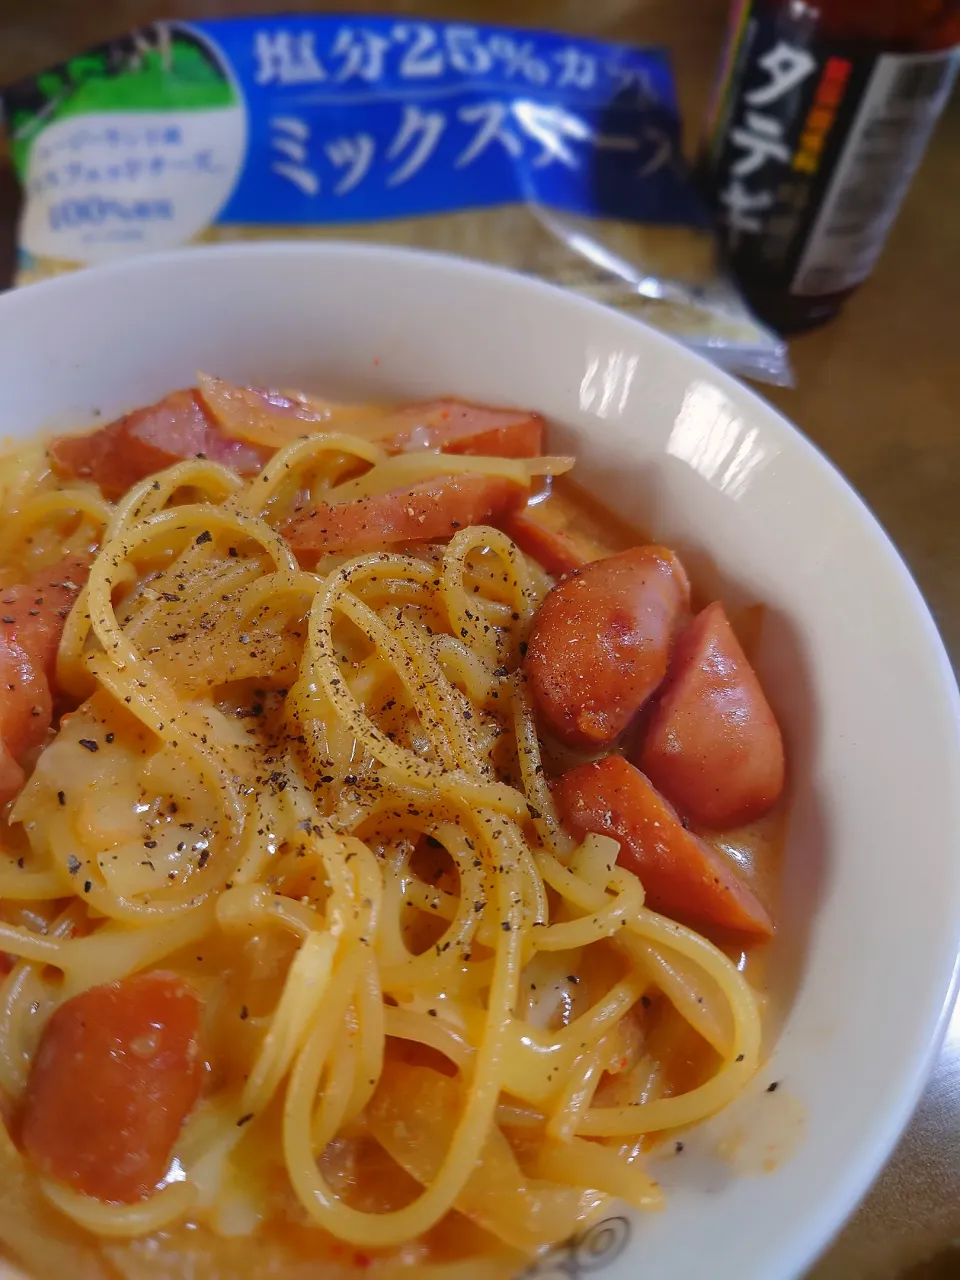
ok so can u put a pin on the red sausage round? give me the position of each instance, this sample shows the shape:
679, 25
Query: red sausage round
600, 642
117, 1071
713, 746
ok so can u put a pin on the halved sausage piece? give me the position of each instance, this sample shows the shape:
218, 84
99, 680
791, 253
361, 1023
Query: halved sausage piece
600, 643
682, 875
713, 745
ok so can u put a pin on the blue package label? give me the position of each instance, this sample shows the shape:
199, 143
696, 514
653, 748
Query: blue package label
397, 119
329, 120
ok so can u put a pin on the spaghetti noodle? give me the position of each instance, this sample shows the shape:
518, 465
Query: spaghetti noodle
312, 791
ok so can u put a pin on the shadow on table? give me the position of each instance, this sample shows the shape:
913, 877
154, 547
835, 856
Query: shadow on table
945, 1266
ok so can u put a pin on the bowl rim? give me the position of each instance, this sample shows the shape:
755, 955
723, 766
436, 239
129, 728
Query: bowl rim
806, 1240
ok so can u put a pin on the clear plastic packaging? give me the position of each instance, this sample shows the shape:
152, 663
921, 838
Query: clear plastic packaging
551, 154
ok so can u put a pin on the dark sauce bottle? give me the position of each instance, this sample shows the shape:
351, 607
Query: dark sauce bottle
821, 116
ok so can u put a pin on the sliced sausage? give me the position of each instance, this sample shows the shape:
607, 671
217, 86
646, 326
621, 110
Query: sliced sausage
429, 511
453, 426
241, 427
555, 550
32, 616
713, 745
600, 642
116, 1073
273, 419
682, 875
135, 446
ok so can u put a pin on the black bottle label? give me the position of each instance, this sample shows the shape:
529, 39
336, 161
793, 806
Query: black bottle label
812, 149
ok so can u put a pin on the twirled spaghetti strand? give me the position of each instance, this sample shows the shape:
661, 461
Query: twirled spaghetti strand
371, 841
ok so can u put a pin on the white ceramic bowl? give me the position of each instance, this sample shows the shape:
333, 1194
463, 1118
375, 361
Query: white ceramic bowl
864, 969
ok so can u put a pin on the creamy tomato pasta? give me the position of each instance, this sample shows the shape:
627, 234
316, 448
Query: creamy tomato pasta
363, 893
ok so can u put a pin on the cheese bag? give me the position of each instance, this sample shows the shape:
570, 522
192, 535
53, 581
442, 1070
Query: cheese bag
546, 153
